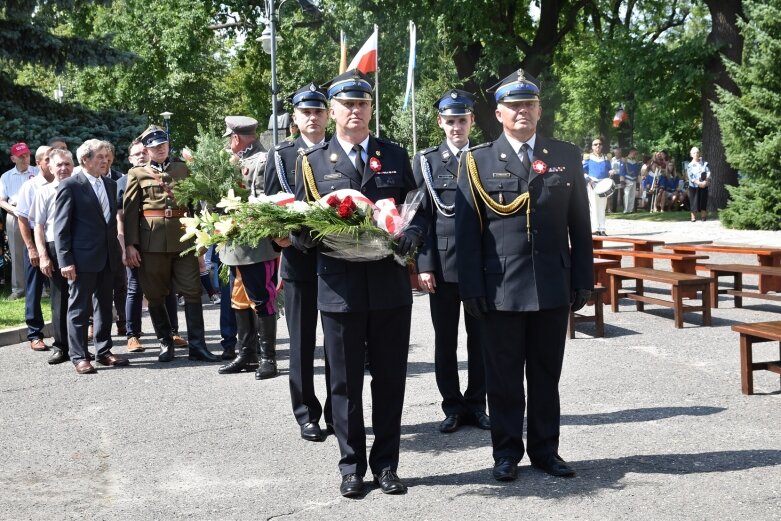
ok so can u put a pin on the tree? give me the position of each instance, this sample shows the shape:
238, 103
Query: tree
27, 38
750, 121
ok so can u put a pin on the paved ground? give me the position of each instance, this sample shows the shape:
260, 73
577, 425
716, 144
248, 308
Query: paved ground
653, 421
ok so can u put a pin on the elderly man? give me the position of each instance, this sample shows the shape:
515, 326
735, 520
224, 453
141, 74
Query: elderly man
10, 184
61, 166
253, 269
88, 253
152, 232
364, 306
33, 276
522, 208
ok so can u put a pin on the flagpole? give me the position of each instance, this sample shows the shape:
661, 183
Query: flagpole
413, 34
377, 85
343, 53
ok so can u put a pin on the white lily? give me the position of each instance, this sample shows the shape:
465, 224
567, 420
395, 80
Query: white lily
230, 202
224, 226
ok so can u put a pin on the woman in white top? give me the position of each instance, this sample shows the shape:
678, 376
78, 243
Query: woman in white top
699, 180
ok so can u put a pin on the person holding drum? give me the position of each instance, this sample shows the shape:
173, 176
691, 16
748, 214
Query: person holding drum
598, 173
699, 180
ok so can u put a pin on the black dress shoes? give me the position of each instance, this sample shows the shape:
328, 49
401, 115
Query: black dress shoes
58, 356
352, 485
450, 424
390, 483
505, 469
555, 466
311, 432
482, 421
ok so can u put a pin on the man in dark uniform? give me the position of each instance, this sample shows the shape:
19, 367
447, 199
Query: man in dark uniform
253, 269
298, 268
436, 168
363, 305
152, 233
522, 208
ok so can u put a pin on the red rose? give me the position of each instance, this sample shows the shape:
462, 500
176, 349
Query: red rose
343, 211
348, 202
332, 201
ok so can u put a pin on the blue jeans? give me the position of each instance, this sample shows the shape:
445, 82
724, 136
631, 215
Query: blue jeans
32, 300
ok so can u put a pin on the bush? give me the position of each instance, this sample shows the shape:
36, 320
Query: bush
754, 204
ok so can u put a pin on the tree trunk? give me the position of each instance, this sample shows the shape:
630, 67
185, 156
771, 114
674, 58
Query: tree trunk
726, 38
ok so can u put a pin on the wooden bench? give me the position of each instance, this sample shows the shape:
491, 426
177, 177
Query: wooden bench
751, 334
678, 281
736, 271
637, 245
765, 257
601, 278
599, 315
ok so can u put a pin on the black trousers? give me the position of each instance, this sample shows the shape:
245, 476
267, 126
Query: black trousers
348, 336
445, 313
88, 284
301, 318
534, 342
59, 301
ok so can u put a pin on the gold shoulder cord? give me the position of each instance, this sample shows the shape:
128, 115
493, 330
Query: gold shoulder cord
501, 209
309, 180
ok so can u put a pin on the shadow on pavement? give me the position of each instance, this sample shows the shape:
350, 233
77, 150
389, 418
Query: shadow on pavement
638, 415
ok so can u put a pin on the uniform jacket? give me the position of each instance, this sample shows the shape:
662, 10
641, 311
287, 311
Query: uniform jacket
153, 234
497, 260
296, 264
438, 252
360, 286
82, 237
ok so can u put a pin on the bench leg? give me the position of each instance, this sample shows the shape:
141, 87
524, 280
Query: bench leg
615, 283
706, 317
714, 290
571, 324
746, 361
599, 316
738, 285
677, 307
639, 290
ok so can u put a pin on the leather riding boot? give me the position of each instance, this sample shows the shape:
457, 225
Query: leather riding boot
196, 334
228, 353
247, 330
268, 348
162, 325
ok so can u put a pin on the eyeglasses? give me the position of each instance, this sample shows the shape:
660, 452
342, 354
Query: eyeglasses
596, 144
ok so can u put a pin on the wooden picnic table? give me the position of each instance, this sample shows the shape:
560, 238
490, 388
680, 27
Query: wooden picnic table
750, 334
637, 245
601, 278
765, 257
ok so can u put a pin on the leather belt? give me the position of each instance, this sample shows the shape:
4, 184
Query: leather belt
168, 212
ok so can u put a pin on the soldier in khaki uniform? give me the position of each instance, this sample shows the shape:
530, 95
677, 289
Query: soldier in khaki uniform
152, 233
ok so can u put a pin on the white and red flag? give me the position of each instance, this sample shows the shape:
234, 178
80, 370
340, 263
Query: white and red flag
366, 59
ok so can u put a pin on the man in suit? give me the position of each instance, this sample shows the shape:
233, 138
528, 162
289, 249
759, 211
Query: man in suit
299, 269
152, 233
253, 279
88, 253
436, 168
522, 208
364, 306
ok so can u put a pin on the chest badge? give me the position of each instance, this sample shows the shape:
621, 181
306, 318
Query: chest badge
539, 167
375, 165
333, 157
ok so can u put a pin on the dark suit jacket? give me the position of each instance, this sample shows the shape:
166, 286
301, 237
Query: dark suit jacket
361, 286
438, 252
496, 259
82, 237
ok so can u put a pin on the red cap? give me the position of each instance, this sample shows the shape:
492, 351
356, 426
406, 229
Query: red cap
19, 149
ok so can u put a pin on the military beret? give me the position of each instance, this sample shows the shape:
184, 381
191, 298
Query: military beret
309, 97
518, 86
455, 102
241, 125
153, 136
351, 85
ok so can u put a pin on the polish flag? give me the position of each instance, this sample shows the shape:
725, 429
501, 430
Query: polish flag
366, 59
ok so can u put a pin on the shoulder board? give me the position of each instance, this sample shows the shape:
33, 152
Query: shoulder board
314, 148
385, 141
429, 150
481, 145
284, 144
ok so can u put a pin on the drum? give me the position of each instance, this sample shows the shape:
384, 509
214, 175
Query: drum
605, 187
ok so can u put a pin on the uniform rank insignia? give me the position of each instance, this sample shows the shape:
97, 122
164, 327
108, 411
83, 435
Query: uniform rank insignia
557, 169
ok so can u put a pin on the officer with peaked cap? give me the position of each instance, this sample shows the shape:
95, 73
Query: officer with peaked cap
298, 269
521, 207
253, 269
363, 305
436, 168
152, 233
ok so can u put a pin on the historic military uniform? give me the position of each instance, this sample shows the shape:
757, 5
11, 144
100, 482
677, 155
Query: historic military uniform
299, 272
524, 214
153, 227
253, 273
363, 305
436, 168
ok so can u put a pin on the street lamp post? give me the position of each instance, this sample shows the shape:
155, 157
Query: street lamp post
58, 93
167, 117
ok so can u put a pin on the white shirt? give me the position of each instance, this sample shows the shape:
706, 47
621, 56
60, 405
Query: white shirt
455, 151
11, 182
308, 143
44, 208
348, 149
26, 197
517, 145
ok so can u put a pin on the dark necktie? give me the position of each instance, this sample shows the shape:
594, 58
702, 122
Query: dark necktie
359, 165
525, 158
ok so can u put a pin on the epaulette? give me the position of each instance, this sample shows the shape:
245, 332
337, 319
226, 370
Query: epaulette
385, 141
481, 145
315, 147
429, 150
284, 144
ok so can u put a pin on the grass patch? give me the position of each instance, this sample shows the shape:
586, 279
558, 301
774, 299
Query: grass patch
12, 311
675, 216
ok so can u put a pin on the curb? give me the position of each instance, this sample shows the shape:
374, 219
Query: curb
17, 335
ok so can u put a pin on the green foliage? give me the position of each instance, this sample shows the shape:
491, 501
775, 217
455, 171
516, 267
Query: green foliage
212, 173
751, 121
